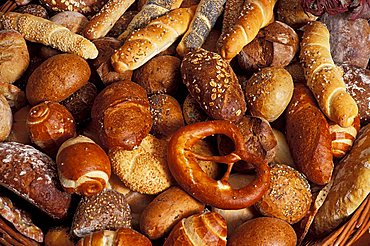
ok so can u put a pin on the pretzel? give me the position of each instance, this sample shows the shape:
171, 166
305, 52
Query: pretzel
218, 193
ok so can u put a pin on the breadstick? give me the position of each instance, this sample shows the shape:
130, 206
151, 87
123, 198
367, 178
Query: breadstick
324, 78
204, 19
40, 30
103, 21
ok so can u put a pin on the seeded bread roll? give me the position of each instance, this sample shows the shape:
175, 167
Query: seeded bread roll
6, 118
74, 21
20, 131
121, 25
213, 84
32, 175
82, 6
33, 9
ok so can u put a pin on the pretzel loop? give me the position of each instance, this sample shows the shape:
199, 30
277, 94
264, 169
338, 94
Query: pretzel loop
218, 193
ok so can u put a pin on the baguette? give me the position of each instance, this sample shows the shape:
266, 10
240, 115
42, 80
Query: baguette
324, 78
104, 20
145, 43
151, 10
204, 19
40, 30
254, 15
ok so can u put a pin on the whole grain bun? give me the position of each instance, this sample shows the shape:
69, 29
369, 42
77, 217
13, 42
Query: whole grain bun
264, 231
268, 92
145, 168
57, 78
15, 57
161, 74
74, 21
6, 118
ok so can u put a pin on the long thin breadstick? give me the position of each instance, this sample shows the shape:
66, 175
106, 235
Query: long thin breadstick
40, 30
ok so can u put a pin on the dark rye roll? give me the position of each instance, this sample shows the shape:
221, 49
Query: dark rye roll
213, 84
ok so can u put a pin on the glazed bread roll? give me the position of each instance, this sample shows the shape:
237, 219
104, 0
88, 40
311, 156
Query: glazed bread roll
83, 166
149, 41
204, 19
350, 187
150, 10
213, 84
14, 56
324, 78
31, 174
254, 15
40, 30
6, 118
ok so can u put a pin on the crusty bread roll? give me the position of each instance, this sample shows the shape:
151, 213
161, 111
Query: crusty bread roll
20, 131
74, 21
33, 9
292, 13
121, 24
147, 42
40, 30
10, 236
14, 95
282, 153
350, 187
6, 118
192, 111
82, 6
324, 78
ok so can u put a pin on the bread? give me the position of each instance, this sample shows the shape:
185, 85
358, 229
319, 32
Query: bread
121, 114
203, 21
15, 96
166, 114
82, 6
268, 92
107, 210
213, 84
83, 167
31, 174
166, 210
14, 56
57, 78
192, 111
10, 236
254, 15
264, 231
282, 152
211, 168
33, 9
210, 43
122, 236
20, 131
74, 21
50, 124
350, 186
150, 10
143, 169
58, 236
39, 30
160, 74
231, 15
121, 24
6, 118
324, 78
357, 82
100, 24
292, 13
308, 137
149, 41
200, 229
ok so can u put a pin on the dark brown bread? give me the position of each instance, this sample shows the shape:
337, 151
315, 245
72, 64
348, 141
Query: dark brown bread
32, 175
33, 9
308, 137
192, 111
10, 236
20, 131
121, 113
122, 23
213, 84
82, 6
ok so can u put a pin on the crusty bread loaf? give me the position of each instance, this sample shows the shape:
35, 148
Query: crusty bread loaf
203, 21
147, 42
324, 78
350, 187
308, 136
254, 15
101, 23
40, 30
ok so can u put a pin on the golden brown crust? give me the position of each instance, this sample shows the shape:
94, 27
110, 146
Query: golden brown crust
292, 13
58, 236
20, 131
82, 6
6, 118
74, 21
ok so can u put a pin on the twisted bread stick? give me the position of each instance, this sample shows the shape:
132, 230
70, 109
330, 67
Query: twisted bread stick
324, 78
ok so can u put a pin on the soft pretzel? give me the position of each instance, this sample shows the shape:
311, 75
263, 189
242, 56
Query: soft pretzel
217, 193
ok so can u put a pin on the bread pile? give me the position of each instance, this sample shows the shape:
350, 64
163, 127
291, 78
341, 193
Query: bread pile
180, 122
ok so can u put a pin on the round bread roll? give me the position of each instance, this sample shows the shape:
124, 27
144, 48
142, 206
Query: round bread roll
20, 132
57, 78
166, 114
50, 124
58, 236
268, 92
74, 21
161, 74
6, 117
282, 154
292, 13
166, 210
192, 111
145, 168
264, 231
33, 9
15, 56
289, 196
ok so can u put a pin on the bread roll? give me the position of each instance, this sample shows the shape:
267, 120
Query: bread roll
58, 236
15, 96
10, 236
211, 168
308, 137
20, 132
213, 84
57, 78
292, 13
282, 153
33, 9
192, 111
143, 169
82, 6
210, 43
166, 210
74, 21
6, 118
121, 25
15, 57
350, 187
268, 92
121, 114
31, 174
